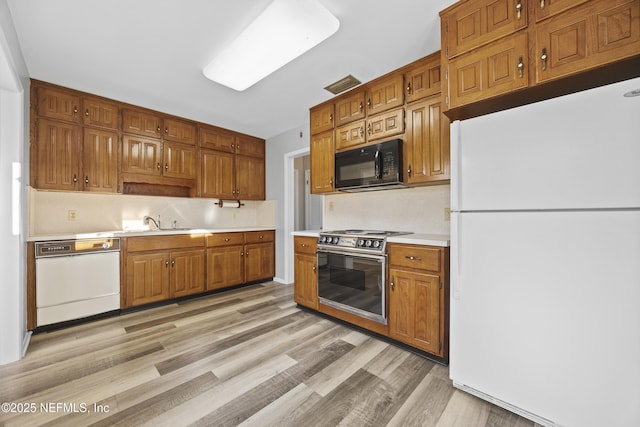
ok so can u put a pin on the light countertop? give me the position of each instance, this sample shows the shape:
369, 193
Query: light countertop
410, 239
135, 233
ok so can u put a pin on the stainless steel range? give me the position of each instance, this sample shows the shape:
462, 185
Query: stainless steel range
352, 271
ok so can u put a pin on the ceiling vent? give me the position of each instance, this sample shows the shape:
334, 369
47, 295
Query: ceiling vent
343, 84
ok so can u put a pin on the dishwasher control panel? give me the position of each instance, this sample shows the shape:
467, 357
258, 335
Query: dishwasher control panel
79, 246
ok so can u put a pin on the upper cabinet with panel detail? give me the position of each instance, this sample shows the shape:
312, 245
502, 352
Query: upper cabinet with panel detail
499, 54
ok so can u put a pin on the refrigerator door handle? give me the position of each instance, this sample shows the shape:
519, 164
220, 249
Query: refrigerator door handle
456, 256
456, 183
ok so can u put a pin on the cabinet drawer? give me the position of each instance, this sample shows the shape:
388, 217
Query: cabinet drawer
259, 236
225, 239
161, 242
305, 245
415, 256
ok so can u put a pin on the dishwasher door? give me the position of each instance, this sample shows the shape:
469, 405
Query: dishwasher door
76, 286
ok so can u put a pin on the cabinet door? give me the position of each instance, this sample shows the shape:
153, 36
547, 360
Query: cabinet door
423, 80
57, 104
141, 123
259, 261
147, 278
321, 118
180, 131
100, 160
98, 112
350, 136
141, 155
225, 267
179, 160
426, 145
385, 125
250, 180
547, 8
57, 156
217, 139
478, 22
385, 95
305, 286
322, 157
350, 108
415, 309
250, 146
217, 179
495, 70
187, 273
586, 37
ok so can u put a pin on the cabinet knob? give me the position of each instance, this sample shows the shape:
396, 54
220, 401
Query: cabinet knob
409, 88
304, 245
242, 253
166, 131
361, 131
518, 9
158, 166
166, 166
166, 263
260, 237
369, 128
369, 102
86, 113
75, 110
86, 180
541, 4
75, 178
361, 106
227, 239
157, 128
413, 258
314, 268
544, 58
331, 180
392, 284
246, 253
331, 117
520, 67
173, 263
409, 171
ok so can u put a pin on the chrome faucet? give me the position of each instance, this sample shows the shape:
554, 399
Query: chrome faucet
147, 218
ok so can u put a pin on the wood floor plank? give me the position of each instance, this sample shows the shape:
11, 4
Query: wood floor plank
248, 356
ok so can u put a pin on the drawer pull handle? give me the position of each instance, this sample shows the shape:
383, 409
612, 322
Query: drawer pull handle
413, 258
227, 239
261, 237
544, 59
304, 245
520, 67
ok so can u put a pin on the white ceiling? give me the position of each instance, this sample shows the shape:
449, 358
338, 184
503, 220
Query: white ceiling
151, 53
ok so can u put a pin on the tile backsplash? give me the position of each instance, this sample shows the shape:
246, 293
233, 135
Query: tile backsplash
49, 212
419, 210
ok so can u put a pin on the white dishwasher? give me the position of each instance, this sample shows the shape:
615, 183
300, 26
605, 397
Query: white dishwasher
76, 279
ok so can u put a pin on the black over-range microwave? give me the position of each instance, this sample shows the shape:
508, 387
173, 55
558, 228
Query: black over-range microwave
374, 167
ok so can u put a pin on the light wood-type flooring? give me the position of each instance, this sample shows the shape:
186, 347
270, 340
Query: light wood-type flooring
245, 357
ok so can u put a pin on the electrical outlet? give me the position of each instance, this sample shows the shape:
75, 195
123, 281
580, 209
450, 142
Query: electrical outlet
447, 214
72, 215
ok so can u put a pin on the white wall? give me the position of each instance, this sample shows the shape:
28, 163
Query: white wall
14, 89
276, 149
49, 213
418, 210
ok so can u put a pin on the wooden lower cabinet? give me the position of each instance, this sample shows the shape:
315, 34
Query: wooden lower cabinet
225, 267
305, 286
418, 297
187, 273
147, 278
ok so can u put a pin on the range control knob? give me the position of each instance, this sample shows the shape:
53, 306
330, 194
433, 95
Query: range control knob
360, 242
368, 243
376, 244
322, 239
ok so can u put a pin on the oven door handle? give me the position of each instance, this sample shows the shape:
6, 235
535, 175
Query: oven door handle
376, 257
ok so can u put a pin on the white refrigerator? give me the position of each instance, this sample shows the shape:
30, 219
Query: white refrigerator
545, 258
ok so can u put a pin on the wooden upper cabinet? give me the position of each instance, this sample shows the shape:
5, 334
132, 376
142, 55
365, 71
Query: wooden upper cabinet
473, 23
497, 69
217, 179
99, 112
59, 104
179, 131
351, 135
547, 8
385, 125
321, 118
217, 139
141, 123
250, 146
141, 155
250, 178
385, 94
426, 143
100, 160
423, 78
57, 156
322, 157
179, 160
586, 37
349, 108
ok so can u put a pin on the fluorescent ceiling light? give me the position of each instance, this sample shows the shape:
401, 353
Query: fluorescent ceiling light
285, 30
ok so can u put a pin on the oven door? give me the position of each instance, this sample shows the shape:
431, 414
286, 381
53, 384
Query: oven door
354, 283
